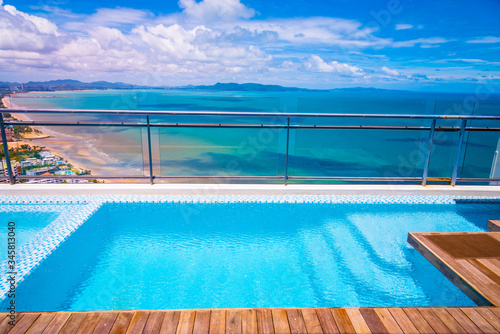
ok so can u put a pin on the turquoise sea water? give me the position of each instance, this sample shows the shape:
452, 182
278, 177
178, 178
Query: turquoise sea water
184, 151
225, 255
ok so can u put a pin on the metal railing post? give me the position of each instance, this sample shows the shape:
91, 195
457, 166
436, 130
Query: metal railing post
6, 150
459, 152
287, 145
428, 159
151, 176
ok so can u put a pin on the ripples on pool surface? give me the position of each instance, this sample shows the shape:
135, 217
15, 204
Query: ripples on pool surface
195, 255
27, 224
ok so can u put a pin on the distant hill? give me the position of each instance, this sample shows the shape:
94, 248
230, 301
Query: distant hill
67, 84
75, 84
247, 87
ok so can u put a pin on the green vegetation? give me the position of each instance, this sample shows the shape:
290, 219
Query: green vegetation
37, 166
23, 154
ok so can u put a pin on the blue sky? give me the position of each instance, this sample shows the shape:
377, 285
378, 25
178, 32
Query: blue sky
403, 44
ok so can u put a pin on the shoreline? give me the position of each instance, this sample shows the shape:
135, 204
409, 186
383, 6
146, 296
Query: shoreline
43, 140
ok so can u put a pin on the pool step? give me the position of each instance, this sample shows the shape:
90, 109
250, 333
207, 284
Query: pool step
470, 260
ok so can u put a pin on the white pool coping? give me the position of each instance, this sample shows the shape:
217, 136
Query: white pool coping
243, 189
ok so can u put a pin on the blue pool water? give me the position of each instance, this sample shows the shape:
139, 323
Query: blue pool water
209, 255
27, 224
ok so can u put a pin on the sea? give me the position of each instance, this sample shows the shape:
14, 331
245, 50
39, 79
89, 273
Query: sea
184, 151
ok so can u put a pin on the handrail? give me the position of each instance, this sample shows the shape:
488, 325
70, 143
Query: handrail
282, 122
245, 114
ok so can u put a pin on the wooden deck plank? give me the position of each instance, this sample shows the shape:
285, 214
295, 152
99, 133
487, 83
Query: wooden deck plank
491, 264
155, 320
326, 320
280, 321
448, 320
493, 225
418, 320
495, 311
265, 321
388, 320
201, 322
433, 320
490, 317
89, 323
342, 320
249, 321
105, 323
480, 322
358, 322
372, 320
486, 271
233, 322
464, 321
403, 321
170, 322
186, 322
311, 321
41, 323
138, 322
74, 322
57, 323
296, 321
5, 327
24, 323
122, 323
218, 322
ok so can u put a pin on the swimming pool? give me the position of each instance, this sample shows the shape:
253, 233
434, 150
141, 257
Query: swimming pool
26, 222
169, 252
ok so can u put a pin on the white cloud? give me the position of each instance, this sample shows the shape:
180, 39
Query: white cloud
317, 64
43, 25
423, 42
211, 10
113, 16
24, 32
403, 26
389, 71
485, 40
110, 38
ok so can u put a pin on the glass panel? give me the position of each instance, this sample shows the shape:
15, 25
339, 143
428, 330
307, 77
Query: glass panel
356, 153
444, 148
480, 156
96, 151
219, 151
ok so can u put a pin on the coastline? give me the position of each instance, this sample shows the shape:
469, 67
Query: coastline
54, 144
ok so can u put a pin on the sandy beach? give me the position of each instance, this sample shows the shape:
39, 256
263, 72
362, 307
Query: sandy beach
79, 154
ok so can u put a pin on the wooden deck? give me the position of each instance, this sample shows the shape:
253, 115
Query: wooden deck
470, 260
279, 321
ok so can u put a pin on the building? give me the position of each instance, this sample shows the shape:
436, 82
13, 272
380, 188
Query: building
47, 154
26, 163
9, 134
16, 168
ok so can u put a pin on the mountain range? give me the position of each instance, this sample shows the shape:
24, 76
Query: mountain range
67, 84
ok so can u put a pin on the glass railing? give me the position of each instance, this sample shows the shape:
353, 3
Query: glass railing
276, 147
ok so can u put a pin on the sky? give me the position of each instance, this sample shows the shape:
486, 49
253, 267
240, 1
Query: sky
425, 45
